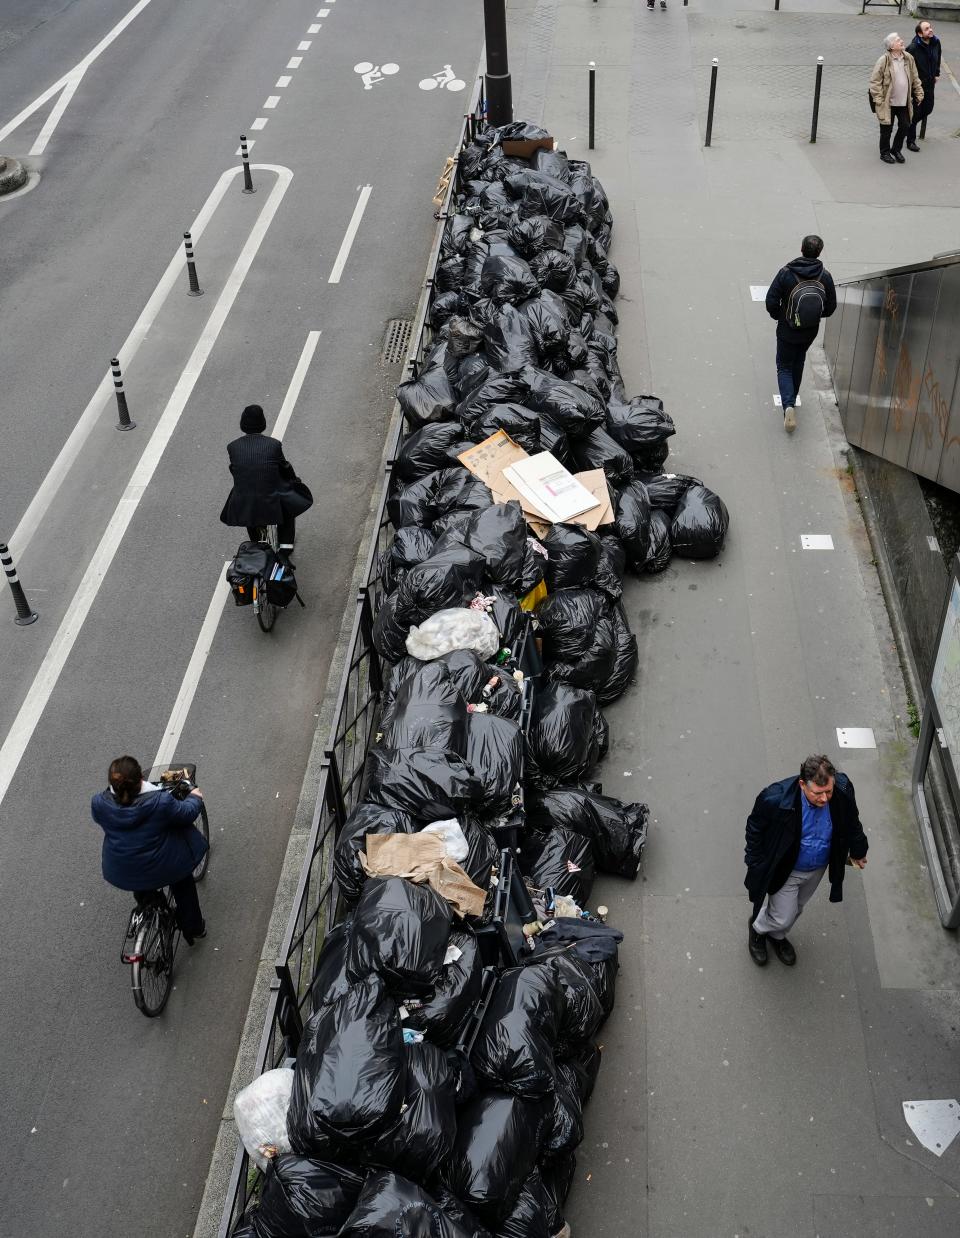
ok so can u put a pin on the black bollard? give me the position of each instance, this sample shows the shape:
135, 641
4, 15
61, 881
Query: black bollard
592, 101
816, 100
195, 289
245, 156
124, 423
25, 615
776, 6
713, 96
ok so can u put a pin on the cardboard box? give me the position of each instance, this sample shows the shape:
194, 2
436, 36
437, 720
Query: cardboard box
525, 147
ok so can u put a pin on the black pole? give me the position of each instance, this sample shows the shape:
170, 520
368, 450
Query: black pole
923, 128
713, 95
499, 89
25, 615
816, 100
195, 289
776, 6
245, 156
592, 101
124, 423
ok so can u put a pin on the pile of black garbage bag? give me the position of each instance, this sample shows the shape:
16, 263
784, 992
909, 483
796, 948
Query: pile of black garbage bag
440, 1082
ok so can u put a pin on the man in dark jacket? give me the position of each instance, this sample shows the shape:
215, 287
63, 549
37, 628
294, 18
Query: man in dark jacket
800, 828
925, 50
265, 487
801, 294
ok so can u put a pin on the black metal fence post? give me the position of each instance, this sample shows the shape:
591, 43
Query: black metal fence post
245, 156
776, 6
816, 100
375, 670
25, 615
713, 96
288, 1011
592, 101
195, 289
124, 423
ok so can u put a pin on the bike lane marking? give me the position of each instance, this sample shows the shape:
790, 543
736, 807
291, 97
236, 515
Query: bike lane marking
181, 708
351, 232
39, 693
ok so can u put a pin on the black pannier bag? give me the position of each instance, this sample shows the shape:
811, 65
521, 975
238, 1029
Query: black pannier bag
281, 583
249, 562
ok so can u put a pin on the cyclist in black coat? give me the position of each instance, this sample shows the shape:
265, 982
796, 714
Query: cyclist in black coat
266, 489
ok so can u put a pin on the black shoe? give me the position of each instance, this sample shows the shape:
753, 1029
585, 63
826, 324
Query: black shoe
784, 951
899, 158
914, 147
190, 939
887, 157
757, 945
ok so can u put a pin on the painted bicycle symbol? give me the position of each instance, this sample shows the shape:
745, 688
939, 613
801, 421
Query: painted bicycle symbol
444, 78
373, 73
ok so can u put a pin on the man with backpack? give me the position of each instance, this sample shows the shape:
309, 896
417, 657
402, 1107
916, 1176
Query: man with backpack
801, 294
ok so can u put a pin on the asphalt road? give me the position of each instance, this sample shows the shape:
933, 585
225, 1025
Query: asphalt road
109, 1118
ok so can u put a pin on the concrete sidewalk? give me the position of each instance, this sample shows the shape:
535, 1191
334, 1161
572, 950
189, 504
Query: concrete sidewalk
734, 1100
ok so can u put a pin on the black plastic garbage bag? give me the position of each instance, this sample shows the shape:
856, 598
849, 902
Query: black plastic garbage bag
441, 1013
445, 490
599, 451
586, 1066
638, 423
445, 305
497, 1146
522, 424
499, 536
472, 371
390, 1206
562, 742
505, 612
632, 524
567, 406
561, 860
433, 785
478, 682
304, 1198
449, 276
365, 819
667, 489
515, 131
554, 269
534, 234
547, 320
456, 235
574, 556
484, 852
626, 656
507, 277
410, 545
498, 389
463, 337
514, 1047
576, 627
659, 543
390, 632
450, 577
400, 933
612, 565
617, 831
495, 754
566, 1131
540, 194
509, 342
329, 976
528, 1216
428, 397
699, 524
422, 1137
556, 1174
351, 1074
553, 162
433, 446
651, 458
581, 1013
428, 712
554, 440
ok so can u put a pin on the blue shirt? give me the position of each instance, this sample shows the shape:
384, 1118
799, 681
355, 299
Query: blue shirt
815, 834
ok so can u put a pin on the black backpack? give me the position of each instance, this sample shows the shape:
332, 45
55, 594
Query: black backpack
805, 304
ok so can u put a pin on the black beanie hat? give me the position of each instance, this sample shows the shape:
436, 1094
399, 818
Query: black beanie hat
252, 420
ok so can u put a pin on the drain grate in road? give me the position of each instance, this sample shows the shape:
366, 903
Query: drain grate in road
396, 341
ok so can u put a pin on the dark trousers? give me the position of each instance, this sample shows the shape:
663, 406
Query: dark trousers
286, 532
898, 114
790, 358
921, 111
189, 915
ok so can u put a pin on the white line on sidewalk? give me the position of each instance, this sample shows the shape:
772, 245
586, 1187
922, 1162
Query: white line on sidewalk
351, 232
40, 691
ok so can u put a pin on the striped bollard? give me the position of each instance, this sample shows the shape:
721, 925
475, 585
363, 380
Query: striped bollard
124, 423
25, 615
195, 289
245, 156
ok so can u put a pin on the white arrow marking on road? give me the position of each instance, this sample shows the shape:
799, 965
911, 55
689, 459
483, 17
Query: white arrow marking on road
178, 715
40, 691
68, 85
351, 232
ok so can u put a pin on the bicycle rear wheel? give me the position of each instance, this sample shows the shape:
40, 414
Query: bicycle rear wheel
203, 825
151, 971
265, 609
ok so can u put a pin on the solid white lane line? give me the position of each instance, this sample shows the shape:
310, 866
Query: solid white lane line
271, 101
304, 46
260, 123
47, 490
294, 62
296, 382
56, 113
351, 232
283, 81
208, 630
40, 691
76, 72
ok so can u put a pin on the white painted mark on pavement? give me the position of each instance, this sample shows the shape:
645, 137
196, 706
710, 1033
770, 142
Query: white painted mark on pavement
816, 541
294, 62
855, 737
778, 401
259, 123
283, 81
271, 101
372, 73
40, 691
936, 1123
304, 46
758, 292
351, 232
444, 78
296, 383
314, 29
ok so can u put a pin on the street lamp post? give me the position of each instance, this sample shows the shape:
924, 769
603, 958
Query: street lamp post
498, 88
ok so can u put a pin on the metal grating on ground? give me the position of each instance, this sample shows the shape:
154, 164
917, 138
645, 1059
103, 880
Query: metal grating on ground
396, 342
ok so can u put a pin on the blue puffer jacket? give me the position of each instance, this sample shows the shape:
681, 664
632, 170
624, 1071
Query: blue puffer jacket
149, 843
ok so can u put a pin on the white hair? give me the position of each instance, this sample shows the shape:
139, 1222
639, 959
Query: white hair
889, 41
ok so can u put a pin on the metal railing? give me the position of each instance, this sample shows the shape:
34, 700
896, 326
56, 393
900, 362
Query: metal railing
355, 718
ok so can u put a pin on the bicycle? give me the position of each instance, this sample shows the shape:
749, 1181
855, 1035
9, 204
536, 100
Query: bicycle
152, 927
263, 608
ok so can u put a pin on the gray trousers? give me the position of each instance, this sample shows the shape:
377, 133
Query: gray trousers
781, 911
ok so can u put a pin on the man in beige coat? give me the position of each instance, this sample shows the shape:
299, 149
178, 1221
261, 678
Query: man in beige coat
894, 86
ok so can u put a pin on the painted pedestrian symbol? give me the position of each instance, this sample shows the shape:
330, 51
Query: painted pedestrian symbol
444, 78
373, 73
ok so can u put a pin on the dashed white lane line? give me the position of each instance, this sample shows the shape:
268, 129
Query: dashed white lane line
351, 232
303, 46
294, 62
260, 123
283, 82
314, 29
271, 101
39, 693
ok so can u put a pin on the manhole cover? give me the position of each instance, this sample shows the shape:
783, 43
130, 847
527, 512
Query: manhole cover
395, 342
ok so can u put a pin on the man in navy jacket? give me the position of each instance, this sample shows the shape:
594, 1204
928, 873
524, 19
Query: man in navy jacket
925, 50
800, 828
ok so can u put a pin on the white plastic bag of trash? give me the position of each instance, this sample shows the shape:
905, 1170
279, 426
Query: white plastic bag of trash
260, 1111
452, 836
457, 628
